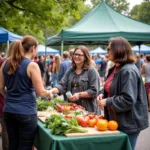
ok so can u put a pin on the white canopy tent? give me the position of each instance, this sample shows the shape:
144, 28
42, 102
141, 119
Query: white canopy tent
46, 50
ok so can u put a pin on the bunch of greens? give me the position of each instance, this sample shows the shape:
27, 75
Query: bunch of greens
61, 126
43, 105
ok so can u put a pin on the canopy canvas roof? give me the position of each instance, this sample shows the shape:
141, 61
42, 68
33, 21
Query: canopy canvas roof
46, 50
142, 49
99, 25
98, 50
6, 36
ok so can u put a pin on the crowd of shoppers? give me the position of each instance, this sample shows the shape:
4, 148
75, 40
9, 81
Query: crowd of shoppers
111, 82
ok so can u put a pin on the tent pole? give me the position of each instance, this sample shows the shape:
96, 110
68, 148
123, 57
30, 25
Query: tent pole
7, 46
139, 48
62, 46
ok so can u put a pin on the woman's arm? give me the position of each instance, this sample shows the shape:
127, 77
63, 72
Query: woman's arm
143, 69
34, 73
2, 80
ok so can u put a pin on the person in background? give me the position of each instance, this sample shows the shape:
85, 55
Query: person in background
21, 77
42, 67
36, 59
3, 126
65, 64
55, 69
47, 74
139, 62
98, 62
124, 97
103, 67
93, 60
82, 80
71, 53
142, 58
146, 72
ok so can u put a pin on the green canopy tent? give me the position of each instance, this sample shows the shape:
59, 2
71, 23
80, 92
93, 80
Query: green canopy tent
100, 24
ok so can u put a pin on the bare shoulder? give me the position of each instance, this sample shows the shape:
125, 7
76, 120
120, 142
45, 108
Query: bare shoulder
33, 65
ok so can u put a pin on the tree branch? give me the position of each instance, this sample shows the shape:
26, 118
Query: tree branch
11, 3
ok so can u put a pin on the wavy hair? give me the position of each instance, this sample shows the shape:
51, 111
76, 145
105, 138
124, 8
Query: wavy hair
88, 61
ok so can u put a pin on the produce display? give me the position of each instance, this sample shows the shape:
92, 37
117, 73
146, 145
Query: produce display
63, 118
60, 125
43, 105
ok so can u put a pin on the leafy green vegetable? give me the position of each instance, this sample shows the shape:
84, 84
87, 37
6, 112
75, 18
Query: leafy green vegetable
60, 125
43, 105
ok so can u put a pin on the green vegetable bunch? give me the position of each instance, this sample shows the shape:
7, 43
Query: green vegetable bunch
43, 105
61, 126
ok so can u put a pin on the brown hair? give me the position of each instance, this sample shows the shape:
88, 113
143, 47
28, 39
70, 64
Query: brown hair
65, 54
11, 48
57, 63
121, 50
88, 61
148, 57
18, 50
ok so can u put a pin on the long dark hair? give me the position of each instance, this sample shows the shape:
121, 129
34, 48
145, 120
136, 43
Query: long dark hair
18, 50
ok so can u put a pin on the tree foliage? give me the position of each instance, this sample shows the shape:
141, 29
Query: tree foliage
32, 17
134, 12
121, 6
144, 12
141, 12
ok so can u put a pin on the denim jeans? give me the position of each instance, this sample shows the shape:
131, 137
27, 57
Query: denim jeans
55, 78
21, 130
133, 138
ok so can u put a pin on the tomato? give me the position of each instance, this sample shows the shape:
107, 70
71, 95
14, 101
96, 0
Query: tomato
60, 108
96, 117
101, 125
100, 117
74, 105
68, 116
112, 125
83, 121
71, 108
92, 122
91, 116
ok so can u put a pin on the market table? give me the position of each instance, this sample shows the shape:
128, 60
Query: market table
47, 141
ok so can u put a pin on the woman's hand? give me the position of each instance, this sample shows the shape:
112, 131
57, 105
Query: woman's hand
75, 97
101, 103
100, 97
50, 94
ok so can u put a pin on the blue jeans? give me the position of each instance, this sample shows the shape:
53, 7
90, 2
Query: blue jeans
21, 130
54, 78
133, 138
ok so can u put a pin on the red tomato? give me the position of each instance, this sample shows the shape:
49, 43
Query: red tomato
83, 121
96, 117
100, 117
91, 116
92, 122
60, 108
68, 116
